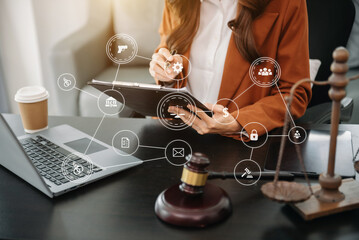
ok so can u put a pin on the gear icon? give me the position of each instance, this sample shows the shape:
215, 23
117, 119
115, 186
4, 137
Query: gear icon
177, 67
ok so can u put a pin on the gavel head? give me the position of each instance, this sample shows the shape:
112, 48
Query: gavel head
194, 175
193, 203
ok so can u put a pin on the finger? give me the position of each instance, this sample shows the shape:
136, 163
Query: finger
177, 58
158, 69
209, 105
217, 108
162, 78
152, 65
165, 65
158, 74
200, 126
152, 73
185, 115
200, 113
198, 130
190, 119
194, 122
166, 54
159, 59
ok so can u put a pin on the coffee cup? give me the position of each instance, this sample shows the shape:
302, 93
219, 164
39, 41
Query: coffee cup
33, 108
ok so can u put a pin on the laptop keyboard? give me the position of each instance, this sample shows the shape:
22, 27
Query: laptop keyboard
48, 158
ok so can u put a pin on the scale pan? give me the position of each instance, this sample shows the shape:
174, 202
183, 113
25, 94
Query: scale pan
287, 192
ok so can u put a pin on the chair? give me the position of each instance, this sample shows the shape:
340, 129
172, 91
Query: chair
83, 52
330, 24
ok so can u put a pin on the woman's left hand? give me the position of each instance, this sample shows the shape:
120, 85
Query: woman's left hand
219, 123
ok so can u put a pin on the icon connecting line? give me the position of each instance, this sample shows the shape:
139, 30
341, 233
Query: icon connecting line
177, 149
90, 94
134, 163
113, 83
143, 146
174, 150
93, 137
250, 156
285, 104
278, 135
244, 92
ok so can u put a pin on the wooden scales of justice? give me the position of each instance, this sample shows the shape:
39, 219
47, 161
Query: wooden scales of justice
332, 195
195, 203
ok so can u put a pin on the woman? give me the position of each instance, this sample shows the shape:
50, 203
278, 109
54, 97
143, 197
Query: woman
222, 38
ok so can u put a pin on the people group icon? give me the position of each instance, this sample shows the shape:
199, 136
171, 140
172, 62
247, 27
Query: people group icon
265, 72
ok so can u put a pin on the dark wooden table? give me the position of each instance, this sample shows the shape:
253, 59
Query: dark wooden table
122, 206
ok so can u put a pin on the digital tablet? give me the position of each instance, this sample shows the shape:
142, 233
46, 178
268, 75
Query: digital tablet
149, 99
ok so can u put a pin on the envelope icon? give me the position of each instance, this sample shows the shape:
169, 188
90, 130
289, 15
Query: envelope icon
178, 152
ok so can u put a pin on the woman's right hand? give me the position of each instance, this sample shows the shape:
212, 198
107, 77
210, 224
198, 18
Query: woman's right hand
158, 66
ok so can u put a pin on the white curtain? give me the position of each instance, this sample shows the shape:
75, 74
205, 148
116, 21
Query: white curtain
4, 104
353, 43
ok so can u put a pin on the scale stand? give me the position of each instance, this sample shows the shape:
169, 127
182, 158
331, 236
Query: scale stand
332, 195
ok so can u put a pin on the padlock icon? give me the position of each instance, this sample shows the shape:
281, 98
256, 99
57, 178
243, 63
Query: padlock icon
254, 135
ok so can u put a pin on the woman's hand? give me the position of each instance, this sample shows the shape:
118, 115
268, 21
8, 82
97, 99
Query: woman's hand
160, 70
218, 123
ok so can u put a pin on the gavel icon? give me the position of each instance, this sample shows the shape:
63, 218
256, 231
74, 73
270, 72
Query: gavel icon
196, 203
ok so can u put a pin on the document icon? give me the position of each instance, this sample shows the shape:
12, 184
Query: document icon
178, 152
125, 142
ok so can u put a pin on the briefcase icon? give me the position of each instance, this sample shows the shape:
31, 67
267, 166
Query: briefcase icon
254, 135
178, 152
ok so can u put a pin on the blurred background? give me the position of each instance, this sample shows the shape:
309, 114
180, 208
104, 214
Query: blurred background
42, 39
28, 32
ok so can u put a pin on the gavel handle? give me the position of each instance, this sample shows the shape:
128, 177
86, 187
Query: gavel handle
264, 175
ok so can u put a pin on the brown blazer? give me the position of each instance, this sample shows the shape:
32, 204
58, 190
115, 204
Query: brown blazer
281, 33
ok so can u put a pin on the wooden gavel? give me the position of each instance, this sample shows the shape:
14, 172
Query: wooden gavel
193, 202
195, 175
196, 203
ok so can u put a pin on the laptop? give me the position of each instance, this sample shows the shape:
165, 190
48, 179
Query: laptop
54, 160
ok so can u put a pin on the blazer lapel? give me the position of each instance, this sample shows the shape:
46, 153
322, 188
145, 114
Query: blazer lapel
232, 78
262, 26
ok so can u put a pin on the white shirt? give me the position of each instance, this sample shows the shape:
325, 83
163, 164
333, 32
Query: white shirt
209, 49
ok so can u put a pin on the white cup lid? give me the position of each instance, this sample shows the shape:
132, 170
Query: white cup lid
31, 94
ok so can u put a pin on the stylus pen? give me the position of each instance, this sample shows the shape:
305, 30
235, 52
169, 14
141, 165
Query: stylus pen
252, 175
168, 63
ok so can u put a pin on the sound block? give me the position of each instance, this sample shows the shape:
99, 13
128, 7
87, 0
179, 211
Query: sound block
313, 208
176, 207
